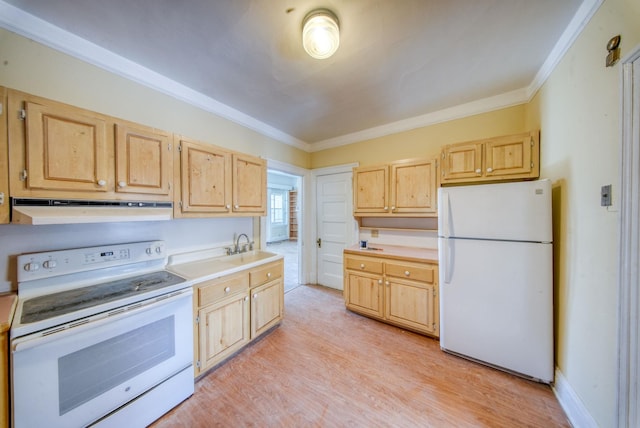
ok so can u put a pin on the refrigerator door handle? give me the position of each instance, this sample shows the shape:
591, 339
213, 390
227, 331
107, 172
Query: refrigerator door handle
448, 259
444, 214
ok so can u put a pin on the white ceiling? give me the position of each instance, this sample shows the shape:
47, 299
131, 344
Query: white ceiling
400, 63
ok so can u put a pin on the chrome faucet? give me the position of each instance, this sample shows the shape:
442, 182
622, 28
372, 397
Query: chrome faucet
237, 248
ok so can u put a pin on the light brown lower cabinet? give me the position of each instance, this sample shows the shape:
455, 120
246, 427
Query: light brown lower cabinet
233, 310
403, 293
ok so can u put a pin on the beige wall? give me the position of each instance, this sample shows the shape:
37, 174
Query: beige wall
31, 67
578, 110
426, 141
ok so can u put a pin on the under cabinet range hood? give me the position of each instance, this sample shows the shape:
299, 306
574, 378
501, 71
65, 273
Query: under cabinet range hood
71, 211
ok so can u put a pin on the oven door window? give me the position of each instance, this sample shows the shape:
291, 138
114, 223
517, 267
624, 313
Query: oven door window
79, 375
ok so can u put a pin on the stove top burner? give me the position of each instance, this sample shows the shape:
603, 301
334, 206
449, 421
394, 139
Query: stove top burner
52, 305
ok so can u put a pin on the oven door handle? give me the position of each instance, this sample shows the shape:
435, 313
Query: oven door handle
35, 339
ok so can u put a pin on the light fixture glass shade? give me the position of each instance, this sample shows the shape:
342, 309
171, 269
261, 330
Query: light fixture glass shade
320, 34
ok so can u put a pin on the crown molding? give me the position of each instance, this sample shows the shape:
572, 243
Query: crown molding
27, 25
508, 99
32, 27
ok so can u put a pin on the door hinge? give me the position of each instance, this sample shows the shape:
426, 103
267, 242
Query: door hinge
23, 175
22, 114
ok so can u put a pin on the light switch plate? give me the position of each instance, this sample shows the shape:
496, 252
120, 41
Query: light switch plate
605, 196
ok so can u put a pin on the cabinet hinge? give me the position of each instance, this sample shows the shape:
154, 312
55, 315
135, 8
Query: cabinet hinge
198, 364
23, 175
531, 164
434, 326
197, 320
434, 292
442, 155
1, 198
169, 146
0, 108
179, 147
22, 114
531, 142
180, 203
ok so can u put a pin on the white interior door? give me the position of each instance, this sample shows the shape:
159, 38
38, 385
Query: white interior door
334, 226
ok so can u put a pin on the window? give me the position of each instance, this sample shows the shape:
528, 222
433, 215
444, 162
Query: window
278, 199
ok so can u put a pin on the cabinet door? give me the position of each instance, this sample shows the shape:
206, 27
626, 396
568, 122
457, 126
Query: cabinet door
413, 187
4, 159
461, 161
364, 293
205, 178
267, 304
411, 304
66, 149
249, 184
370, 189
144, 160
510, 155
223, 329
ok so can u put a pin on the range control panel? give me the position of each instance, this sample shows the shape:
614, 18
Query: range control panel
53, 263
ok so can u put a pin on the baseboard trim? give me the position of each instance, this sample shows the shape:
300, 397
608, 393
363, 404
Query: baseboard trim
573, 407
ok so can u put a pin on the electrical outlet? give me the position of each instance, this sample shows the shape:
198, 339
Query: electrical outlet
605, 196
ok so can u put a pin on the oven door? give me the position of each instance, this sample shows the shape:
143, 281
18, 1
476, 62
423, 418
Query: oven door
78, 375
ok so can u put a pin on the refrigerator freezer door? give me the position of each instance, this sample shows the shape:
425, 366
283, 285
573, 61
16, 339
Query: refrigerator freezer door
496, 304
507, 211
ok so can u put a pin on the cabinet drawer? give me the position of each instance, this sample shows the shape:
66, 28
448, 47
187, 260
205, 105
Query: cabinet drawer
264, 274
363, 265
211, 291
424, 273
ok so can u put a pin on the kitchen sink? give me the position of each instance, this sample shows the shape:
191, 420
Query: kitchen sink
248, 257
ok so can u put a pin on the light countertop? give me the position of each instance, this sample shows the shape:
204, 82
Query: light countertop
396, 252
7, 308
203, 269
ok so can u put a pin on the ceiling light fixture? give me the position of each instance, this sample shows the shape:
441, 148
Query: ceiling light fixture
320, 33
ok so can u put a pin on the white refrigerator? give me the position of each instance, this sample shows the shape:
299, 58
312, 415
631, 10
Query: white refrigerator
496, 279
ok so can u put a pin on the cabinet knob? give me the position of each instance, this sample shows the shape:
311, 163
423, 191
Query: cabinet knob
386, 208
361, 265
386, 282
407, 273
246, 298
227, 289
268, 274
228, 207
478, 171
255, 296
122, 183
393, 208
489, 169
102, 183
379, 281
236, 206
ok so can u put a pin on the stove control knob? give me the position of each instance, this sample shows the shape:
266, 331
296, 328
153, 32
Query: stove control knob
159, 250
149, 251
49, 264
30, 267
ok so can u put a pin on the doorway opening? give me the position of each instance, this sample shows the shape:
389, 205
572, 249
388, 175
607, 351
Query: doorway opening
283, 234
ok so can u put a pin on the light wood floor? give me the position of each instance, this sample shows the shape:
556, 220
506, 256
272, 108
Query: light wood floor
327, 367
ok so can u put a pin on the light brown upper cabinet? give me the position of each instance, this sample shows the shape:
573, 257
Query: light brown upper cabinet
215, 181
144, 160
4, 159
249, 184
511, 157
403, 188
60, 151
